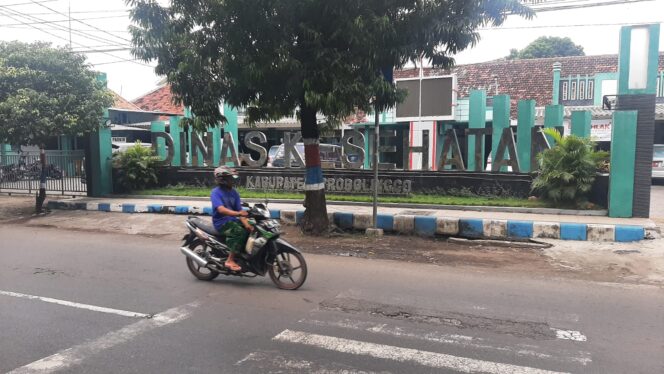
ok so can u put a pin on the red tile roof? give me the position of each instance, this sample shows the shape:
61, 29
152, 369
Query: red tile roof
522, 79
159, 100
120, 102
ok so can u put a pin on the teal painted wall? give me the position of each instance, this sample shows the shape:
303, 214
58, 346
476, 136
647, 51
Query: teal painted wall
599, 78
231, 126
553, 116
623, 152
476, 120
501, 120
4, 151
175, 130
623, 61
525, 123
101, 163
556, 85
160, 148
581, 123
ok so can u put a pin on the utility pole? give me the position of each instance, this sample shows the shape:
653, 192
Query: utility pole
375, 166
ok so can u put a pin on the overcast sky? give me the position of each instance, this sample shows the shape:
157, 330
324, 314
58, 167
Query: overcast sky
132, 79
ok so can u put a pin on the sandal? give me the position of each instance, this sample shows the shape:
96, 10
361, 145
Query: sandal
232, 266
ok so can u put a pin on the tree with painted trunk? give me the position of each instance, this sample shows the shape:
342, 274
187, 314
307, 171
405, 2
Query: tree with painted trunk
46, 92
316, 57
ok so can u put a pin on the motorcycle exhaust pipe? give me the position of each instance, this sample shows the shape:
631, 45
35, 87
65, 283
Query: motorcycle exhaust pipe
196, 258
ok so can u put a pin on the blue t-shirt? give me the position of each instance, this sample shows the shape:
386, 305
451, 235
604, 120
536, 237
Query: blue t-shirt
228, 198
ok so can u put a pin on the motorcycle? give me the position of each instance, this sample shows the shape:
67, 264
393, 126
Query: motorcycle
267, 252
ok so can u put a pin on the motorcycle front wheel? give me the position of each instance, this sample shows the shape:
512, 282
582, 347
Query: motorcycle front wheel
198, 271
288, 271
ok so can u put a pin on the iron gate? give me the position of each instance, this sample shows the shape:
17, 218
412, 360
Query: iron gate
65, 172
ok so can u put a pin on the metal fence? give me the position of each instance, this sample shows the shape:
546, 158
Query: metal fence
65, 172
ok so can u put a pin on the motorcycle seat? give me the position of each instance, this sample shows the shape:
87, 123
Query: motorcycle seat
206, 226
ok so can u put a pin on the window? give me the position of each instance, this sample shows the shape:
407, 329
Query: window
590, 92
660, 91
564, 90
582, 90
572, 94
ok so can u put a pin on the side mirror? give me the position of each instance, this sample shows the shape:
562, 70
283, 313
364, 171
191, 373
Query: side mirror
246, 205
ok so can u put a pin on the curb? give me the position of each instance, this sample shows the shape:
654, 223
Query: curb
475, 208
426, 226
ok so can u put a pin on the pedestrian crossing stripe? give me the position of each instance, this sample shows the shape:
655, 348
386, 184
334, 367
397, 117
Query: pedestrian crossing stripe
406, 355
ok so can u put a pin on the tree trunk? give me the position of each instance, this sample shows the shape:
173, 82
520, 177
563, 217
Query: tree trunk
39, 204
315, 221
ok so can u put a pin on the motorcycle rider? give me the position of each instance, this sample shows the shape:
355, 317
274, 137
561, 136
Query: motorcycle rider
228, 217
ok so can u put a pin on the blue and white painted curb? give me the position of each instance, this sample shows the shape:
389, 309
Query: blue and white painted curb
407, 224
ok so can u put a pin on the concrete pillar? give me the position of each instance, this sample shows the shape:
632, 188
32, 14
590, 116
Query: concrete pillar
175, 130
159, 126
638, 62
525, 123
4, 152
501, 120
101, 154
581, 123
553, 117
231, 126
556, 83
216, 132
623, 153
476, 120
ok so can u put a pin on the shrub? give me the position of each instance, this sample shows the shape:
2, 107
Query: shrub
568, 169
136, 168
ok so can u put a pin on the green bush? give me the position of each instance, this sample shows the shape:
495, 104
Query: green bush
136, 168
568, 169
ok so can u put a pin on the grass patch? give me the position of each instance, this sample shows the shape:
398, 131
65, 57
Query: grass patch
412, 199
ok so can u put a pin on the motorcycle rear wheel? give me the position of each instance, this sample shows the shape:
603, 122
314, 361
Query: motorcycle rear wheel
198, 271
286, 273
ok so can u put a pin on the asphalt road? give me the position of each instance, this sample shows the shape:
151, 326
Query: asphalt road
115, 303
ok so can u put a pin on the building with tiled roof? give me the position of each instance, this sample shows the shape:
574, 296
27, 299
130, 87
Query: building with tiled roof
533, 78
120, 102
159, 100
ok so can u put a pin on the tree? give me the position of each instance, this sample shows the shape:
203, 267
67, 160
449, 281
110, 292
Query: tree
548, 46
45, 92
314, 56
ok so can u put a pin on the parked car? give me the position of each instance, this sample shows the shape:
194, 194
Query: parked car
658, 162
122, 147
330, 154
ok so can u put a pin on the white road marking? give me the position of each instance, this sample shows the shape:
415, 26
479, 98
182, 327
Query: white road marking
570, 335
76, 354
290, 364
437, 337
94, 308
382, 351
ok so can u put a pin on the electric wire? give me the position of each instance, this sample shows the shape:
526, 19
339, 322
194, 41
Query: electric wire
4, 12
79, 21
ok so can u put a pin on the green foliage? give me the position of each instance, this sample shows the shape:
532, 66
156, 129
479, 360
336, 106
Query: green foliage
548, 46
567, 170
136, 168
318, 56
418, 198
47, 91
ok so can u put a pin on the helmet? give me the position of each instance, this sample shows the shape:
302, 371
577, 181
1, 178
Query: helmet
223, 174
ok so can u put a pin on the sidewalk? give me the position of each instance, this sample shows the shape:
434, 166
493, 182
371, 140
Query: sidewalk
424, 222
